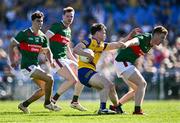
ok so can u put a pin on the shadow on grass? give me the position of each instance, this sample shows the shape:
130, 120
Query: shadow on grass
73, 115
21, 113
42, 113
46, 113
10, 113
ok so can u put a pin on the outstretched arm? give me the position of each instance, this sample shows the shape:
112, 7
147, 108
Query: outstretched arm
129, 40
121, 42
132, 42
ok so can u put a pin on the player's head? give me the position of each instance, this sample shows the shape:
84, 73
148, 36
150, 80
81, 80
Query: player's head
159, 34
98, 31
37, 19
68, 15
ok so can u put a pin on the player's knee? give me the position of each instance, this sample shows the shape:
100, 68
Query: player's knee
133, 91
75, 81
144, 84
50, 79
109, 85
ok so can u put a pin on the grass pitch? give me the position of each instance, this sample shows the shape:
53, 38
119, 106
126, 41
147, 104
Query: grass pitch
157, 112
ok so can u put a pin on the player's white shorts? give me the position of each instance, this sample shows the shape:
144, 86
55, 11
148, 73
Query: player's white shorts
64, 62
31, 69
125, 68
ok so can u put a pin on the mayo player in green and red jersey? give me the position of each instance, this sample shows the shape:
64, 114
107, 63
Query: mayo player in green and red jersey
59, 35
124, 64
31, 42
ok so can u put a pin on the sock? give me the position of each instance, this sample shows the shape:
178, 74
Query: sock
137, 108
102, 105
47, 102
53, 101
56, 96
26, 103
119, 109
120, 104
75, 98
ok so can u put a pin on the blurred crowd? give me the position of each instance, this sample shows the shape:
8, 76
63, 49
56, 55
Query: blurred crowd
162, 64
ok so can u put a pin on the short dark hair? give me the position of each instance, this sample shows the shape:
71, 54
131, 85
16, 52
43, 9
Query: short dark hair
97, 27
160, 29
37, 14
68, 9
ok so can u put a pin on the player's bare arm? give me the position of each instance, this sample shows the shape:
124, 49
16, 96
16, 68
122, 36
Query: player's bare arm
48, 53
69, 53
78, 49
132, 42
121, 41
134, 32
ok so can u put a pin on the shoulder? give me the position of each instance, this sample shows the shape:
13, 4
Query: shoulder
23, 33
42, 33
143, 35
86, 41
56, 24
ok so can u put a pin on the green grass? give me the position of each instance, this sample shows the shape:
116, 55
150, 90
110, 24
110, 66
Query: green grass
157, 112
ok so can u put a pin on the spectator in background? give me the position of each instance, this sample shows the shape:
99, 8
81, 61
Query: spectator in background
176, 53
3, 56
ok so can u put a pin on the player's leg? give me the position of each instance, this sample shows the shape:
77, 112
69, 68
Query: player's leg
75, 103
39, 74
91, 78
141, 84
126, 70
130, 94
105, 88
37, 94
70, 79
77, 91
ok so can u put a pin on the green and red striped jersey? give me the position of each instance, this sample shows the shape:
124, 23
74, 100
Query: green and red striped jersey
30, 45
131, 53
60, 39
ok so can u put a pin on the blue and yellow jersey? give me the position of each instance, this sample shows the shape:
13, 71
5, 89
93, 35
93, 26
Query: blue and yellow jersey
97, 48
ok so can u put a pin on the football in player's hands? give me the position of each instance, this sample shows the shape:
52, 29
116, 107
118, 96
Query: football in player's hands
84, 58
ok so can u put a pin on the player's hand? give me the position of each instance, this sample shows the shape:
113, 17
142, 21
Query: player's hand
134, 32
122, 45
91, 57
